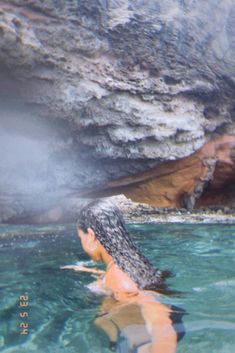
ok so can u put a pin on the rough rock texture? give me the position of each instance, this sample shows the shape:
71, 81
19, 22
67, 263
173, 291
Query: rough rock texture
188, 182
133, 212
94, 91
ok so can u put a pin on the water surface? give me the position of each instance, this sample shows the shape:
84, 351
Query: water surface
61, 309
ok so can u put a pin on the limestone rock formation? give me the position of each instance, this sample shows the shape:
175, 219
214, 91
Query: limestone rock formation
94, 91
203, 178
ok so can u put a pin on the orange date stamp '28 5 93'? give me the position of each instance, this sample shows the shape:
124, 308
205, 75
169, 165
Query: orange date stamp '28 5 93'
24, 314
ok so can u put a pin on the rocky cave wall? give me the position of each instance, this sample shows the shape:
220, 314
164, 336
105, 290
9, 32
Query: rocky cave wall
97, 94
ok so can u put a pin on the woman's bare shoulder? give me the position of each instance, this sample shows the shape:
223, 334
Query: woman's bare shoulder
120, 283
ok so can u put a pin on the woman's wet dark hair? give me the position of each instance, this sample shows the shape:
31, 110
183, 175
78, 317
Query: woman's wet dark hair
106, 220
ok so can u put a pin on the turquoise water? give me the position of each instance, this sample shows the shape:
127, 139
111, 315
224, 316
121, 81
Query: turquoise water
61, 309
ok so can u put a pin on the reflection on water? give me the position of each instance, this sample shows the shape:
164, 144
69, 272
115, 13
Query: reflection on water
62, 311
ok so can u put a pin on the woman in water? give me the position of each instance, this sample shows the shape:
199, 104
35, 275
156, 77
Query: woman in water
130, 282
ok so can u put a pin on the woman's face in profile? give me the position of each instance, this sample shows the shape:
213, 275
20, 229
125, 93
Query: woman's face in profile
89, 244
84, 239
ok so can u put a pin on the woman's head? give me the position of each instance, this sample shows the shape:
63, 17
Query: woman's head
92, 246
106, 221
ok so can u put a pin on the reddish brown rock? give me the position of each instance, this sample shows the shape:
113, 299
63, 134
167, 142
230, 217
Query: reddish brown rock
199, 179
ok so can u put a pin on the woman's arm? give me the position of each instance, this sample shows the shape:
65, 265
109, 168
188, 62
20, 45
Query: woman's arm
83, 269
